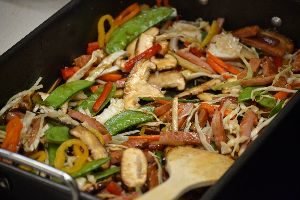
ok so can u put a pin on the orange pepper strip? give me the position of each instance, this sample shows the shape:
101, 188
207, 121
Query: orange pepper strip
111, 77
127, 14
282, 95
106, 90
13, 134
226, 66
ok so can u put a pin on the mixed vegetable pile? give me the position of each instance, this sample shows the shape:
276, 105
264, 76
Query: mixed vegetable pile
152, 82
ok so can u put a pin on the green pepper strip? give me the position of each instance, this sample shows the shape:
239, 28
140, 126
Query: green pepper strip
52, 148
90, 166
106, 173
57, 134
128, 119
90, 101
130, 30
169, 99
63, 92
265, 100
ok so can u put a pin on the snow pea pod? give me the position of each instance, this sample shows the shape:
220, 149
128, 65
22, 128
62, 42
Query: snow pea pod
90, 166
128, 119
64, 92
57, 134
126, 33
90, 101
106, 173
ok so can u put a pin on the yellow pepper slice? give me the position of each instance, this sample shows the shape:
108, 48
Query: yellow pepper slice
80, 151
214, 29
102, 36
39, 156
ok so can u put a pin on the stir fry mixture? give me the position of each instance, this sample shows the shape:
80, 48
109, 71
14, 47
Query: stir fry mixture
152, 82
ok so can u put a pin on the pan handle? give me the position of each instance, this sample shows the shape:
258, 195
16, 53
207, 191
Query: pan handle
69, 181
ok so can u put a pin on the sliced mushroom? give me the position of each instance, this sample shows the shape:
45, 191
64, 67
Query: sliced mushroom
200, 88
131, 48
146, 40
168, 62
133, 167
137, 85
169, 79
96, 148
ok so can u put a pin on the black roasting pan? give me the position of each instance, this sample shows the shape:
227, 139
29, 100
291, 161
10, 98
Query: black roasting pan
269, 169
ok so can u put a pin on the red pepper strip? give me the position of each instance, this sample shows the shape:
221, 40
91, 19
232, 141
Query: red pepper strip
13, 133
145, 137
226, 66
278, 61
106, 90
144, 55
67, 72
113, 188
92, 46
197, 52
220, 70
111, 77
127, 14
162, 3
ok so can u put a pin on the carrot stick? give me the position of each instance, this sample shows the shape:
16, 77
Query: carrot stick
209, 108
145, 137
13, 134
217, 68
282, 95
162, 109
106, 90
221, 63
111, 77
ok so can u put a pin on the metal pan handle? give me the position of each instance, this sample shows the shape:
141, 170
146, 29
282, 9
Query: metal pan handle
69, 181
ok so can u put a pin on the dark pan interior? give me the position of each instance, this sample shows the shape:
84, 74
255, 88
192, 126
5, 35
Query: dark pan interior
268, 169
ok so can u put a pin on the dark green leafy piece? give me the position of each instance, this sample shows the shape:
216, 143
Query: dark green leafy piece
106, 173
130, 30
90, 166
128, 119
64, 92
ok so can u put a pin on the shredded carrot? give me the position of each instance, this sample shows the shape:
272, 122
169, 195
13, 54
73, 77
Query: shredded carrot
221, 63
111, 77
211, 109
106, 90
127, 14
163, 109
145, 137
282, 95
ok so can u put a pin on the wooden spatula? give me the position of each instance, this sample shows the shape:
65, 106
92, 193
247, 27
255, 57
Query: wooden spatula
189, 168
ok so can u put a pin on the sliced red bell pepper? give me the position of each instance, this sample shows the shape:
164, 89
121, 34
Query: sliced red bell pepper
111, 77
67, 72
106, 90
114, 188
92, 46
278, 61
13, 134
144, 55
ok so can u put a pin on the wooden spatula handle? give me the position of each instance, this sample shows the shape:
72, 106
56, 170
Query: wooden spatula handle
169, 190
